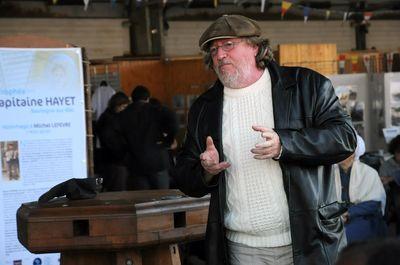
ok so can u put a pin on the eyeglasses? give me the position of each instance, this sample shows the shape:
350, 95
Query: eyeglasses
226, 46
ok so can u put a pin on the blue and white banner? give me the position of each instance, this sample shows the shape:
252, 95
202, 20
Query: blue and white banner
42, 135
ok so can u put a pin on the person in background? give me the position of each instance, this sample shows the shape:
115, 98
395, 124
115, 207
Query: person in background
115, 174
387, 172
360, 188
147, 131
100, 99
393, 164
371, 252
172, 148
262, 140
11, 158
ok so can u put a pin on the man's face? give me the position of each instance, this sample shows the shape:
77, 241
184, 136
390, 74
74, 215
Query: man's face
234, 61
397, 156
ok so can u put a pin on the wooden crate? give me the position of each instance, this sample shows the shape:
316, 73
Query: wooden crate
319, 57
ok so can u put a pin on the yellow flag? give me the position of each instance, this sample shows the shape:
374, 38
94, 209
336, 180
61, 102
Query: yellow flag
285, 7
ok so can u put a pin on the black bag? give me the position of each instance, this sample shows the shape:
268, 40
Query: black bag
74, 189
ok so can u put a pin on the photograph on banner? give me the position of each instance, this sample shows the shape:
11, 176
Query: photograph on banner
55, 71
42, 134
10, 160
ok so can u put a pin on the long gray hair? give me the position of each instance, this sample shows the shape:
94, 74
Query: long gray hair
264, 54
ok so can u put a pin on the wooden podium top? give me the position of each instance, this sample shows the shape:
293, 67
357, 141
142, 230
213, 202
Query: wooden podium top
112, 220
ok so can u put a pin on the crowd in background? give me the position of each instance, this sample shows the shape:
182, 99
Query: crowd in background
134, 139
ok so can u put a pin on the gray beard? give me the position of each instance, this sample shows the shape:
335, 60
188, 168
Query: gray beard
228, 80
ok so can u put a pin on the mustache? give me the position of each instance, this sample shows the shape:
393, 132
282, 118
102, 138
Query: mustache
223, 62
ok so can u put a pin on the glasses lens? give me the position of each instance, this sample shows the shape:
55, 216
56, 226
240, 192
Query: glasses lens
227, 46
213, 50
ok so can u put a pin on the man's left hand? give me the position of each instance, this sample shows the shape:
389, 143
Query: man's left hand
346, 217
270, 148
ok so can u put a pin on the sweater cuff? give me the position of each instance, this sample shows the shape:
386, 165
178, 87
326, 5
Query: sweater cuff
279, 156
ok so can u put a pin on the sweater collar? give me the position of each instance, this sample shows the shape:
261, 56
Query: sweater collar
253, 88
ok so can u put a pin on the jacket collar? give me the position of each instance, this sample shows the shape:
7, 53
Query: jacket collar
215, 92
279, 76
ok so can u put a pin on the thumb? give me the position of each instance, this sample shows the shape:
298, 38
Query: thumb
209, 143
258, 128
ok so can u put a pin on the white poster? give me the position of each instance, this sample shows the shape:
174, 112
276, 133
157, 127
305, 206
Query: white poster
42, 135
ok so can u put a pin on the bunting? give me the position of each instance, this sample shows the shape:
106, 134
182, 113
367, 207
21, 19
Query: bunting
306, 13
367, 16
86, 2
285, 7
262, 5
345, 16
327, 14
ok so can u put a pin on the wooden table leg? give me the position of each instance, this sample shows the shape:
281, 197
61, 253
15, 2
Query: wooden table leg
157, 255
87, 258
102, 257
129, 257
161, 255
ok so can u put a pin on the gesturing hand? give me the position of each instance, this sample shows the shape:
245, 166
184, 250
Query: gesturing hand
210, 159
270, 148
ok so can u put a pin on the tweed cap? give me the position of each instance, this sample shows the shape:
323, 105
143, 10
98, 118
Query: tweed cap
230, 26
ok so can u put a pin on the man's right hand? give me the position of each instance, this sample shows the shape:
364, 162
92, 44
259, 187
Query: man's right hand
346, 217
386, 179
210, 159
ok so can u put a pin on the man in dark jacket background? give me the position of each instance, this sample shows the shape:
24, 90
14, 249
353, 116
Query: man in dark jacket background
262, 141
146, 132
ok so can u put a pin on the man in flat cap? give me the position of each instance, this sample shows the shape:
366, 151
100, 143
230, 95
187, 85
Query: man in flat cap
262, 141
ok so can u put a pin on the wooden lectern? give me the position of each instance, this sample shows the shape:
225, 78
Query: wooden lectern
114, 228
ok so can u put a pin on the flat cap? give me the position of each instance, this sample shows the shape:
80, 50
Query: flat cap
230, 26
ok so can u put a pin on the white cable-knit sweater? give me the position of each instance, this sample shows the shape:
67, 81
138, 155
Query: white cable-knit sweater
257, 211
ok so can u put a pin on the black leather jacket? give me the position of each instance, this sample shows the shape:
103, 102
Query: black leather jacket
315, 133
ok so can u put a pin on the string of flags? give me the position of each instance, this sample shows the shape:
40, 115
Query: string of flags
285, 6
327, 14
86, 2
